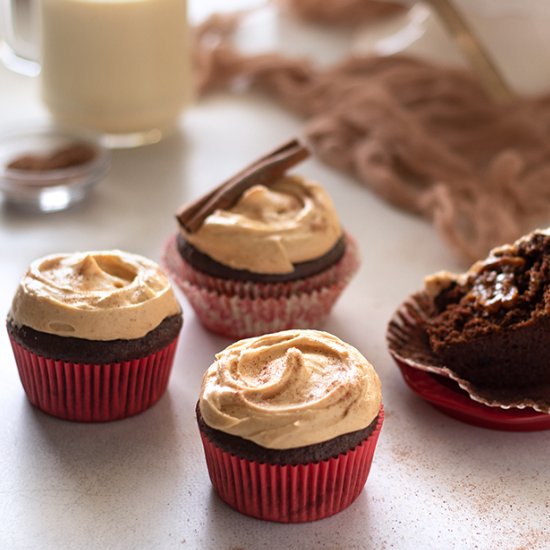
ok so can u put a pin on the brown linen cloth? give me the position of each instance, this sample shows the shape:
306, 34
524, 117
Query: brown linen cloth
342, 12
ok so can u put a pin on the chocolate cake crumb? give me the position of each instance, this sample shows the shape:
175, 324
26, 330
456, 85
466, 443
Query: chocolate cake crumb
492, 329
317, 452
80, 350
206, 264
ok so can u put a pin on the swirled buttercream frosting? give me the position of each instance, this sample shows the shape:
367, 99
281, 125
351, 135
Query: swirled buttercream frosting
94, 295
290, 389
271, 228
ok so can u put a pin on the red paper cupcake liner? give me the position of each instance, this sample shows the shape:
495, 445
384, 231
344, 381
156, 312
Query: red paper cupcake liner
240, 309
94, 392
291, 494
511, 409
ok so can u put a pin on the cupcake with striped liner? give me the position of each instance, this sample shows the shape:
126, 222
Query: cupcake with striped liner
94, 334
289, 423
263, 252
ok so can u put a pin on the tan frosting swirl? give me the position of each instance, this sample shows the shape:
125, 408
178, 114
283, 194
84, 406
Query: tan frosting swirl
94, 295
271, 228
290, 389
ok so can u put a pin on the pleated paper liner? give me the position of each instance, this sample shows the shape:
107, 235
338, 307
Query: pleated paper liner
430, 379
291, 493
240, 309
94, 392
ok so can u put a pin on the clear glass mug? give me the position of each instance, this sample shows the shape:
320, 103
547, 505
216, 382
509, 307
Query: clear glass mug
117, 67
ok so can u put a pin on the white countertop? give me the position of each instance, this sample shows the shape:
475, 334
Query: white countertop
142, 482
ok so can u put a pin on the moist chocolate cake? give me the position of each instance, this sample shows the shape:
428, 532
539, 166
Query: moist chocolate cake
80, 350
249, 450
492, 325
204, 263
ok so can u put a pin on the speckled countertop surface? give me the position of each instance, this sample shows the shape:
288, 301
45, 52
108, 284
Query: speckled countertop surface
142, 483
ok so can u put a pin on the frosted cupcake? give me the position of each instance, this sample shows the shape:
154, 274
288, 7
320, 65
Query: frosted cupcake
289, 423
94, 334
263, 252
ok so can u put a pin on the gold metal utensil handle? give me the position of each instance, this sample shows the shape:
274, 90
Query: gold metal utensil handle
477, 56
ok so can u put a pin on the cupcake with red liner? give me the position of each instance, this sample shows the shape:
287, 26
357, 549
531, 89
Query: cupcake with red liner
263, 252
289, 422
487, 330
94, 334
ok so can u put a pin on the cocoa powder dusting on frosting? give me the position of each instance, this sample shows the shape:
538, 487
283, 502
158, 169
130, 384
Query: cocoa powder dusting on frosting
290, 389
102, 295
271, 228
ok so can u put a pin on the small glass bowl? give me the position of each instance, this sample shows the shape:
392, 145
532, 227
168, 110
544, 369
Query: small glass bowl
48, 189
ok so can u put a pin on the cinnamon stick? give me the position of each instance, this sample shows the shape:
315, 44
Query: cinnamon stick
263, 171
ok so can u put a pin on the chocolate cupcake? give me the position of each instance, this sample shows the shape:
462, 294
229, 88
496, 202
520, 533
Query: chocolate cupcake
289, 423
488, 328
94, 334
263, 252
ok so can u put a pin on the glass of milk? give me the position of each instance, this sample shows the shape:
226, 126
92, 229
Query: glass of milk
117, 67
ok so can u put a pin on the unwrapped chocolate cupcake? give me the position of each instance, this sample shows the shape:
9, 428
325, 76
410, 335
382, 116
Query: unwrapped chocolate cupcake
94, 334
263, 252
289, 423
488, 329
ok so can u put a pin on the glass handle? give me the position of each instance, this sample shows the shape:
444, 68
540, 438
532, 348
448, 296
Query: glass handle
19, 30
